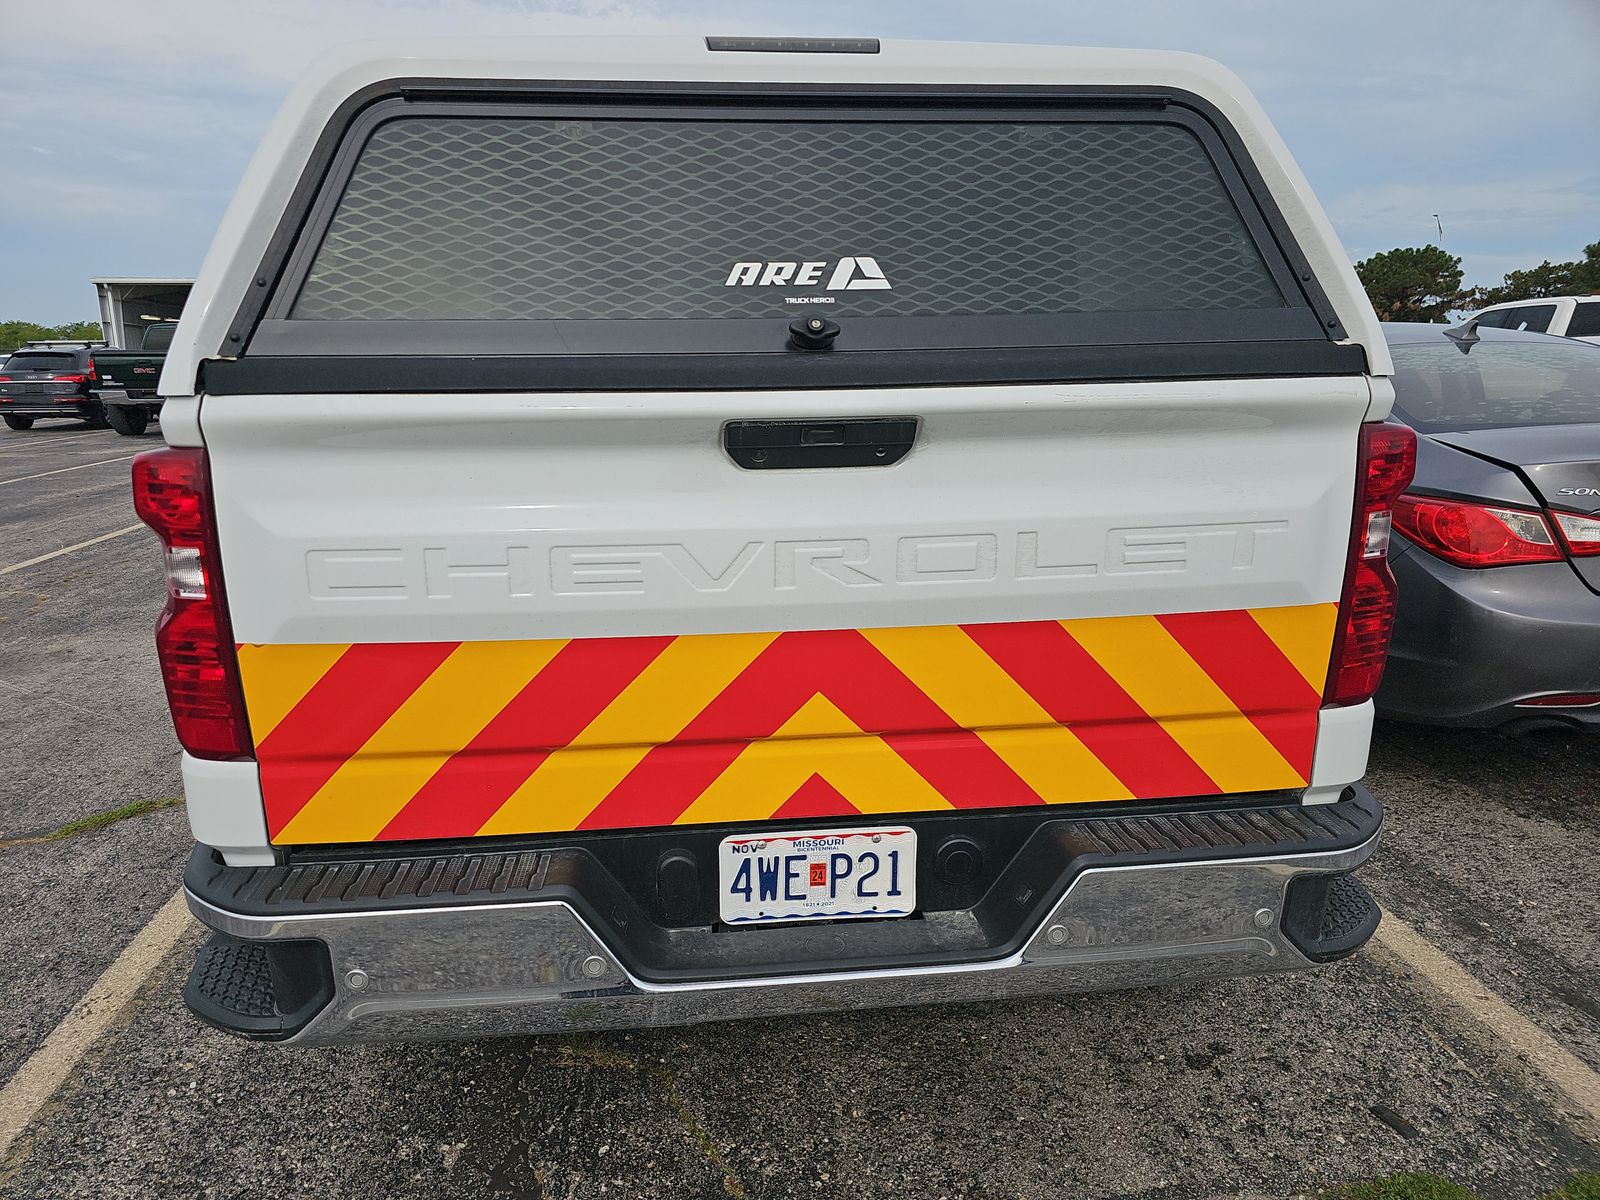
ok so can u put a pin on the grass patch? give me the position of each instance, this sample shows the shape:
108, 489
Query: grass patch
1583, 1185
99, 820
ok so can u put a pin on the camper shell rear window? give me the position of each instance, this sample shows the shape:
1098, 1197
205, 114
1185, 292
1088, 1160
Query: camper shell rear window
1006, 235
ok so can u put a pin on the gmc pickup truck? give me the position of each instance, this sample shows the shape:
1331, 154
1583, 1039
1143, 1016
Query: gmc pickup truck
668, 530
128, 380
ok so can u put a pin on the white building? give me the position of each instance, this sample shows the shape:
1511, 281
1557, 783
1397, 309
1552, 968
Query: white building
129, 306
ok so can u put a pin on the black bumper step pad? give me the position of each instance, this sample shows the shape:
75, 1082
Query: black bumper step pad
267, 991
374, 877
1329, 917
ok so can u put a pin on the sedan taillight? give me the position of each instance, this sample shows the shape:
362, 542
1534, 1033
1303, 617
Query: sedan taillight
1581, 534
1476, 535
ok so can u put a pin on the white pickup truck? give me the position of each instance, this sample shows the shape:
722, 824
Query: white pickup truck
1562, 316
668, 530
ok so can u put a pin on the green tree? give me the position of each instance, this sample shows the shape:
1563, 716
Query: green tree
1412, 283
1580, 277
18, 333
89, 331
15, 333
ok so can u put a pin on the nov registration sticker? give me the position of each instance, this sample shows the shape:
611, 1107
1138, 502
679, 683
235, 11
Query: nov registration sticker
818, 875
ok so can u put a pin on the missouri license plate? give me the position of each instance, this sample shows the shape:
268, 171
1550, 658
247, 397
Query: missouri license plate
818, 875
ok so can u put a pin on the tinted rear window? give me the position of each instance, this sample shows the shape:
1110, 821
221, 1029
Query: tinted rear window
1531, 318
1585, 320
684, 237
1500, 384
539, 219
158, 337
30, 360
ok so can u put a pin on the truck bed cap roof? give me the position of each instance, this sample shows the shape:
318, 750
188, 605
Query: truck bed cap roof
346, 71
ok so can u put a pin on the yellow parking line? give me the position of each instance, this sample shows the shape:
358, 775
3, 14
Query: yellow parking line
1567, 1073
26, 1092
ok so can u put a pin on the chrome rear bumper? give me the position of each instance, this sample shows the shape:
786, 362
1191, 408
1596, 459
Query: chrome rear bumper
527, 968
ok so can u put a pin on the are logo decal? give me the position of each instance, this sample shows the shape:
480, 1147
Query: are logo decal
853, 273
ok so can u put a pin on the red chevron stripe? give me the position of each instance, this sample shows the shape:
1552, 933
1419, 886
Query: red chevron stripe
962, 769
669, 777
336, 717
552, 709
1250, 669
850, 672
816, 797
1076, 691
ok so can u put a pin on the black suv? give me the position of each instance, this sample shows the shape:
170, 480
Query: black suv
50, 383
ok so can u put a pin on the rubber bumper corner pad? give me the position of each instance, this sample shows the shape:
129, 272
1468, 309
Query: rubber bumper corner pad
264, 991
1329, 917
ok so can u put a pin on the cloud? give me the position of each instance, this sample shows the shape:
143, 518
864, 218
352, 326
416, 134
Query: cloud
1395, 111
1481, 206
141, 152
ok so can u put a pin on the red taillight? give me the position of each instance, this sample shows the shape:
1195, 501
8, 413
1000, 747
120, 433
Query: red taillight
172, 495
1581, 534
69, 379
1388, 458
1476, 535
92, 374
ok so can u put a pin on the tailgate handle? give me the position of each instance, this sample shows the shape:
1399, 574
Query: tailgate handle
850, 442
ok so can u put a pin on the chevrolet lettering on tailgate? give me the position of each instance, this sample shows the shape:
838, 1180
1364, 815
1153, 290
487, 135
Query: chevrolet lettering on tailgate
438, 572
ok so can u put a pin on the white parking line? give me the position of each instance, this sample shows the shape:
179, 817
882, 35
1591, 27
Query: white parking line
13, 450
64, 470
1567, 1073
28, 444
26, 1092
94, 541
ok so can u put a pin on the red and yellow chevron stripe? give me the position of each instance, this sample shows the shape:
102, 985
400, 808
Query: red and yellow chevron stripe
378, 741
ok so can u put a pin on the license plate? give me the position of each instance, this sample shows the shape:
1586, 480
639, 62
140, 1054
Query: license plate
818, 875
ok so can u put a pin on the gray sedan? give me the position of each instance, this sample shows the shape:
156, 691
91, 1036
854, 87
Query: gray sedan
1497, 542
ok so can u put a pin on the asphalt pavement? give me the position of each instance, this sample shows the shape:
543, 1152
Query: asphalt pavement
1259, 1087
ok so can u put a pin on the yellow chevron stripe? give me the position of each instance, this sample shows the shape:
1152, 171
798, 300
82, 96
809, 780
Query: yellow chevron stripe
1170, 686
953, 672
688, 675
276, 678
1304, 635
451, 707
863, 769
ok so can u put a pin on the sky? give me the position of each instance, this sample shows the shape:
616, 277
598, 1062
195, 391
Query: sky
125, 125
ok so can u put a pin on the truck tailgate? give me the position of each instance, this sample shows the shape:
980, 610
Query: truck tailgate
508, 613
